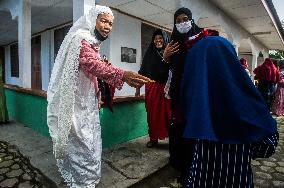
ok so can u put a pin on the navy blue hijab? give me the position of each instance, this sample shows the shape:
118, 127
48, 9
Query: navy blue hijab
220, 101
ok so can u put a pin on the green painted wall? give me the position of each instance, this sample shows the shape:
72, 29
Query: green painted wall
126, 123
27, 109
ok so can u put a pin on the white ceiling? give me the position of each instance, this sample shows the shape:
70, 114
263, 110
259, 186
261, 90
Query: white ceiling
249, 14
252, 16
44, 13
8, 28
159, 12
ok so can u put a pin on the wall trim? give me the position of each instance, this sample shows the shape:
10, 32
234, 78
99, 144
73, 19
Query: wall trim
42, 93
34, 92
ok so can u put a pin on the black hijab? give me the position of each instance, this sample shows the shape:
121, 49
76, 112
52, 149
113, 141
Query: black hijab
177, 60
152, 65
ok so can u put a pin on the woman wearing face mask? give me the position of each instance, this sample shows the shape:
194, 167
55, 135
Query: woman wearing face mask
157, 106
185, 34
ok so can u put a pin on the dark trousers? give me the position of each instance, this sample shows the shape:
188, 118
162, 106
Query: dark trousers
266, 89
180, 149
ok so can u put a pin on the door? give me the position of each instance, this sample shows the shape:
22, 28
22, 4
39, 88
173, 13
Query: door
36, 64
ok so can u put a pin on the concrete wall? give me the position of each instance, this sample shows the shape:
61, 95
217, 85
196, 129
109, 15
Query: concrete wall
126, 33
27, 109
117, 127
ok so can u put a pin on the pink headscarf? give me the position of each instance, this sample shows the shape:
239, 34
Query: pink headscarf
267, 71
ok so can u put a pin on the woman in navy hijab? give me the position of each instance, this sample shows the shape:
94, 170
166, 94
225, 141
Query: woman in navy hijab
185, 34
226, 117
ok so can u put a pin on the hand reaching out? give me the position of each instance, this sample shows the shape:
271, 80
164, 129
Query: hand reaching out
134, 80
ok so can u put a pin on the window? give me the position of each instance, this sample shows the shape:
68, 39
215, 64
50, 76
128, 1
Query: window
59, 35
14, 60
2, 63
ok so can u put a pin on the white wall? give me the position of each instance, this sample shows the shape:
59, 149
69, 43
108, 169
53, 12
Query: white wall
46, 62
126, 33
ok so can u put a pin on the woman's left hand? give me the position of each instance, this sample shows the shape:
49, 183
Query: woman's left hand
170, 49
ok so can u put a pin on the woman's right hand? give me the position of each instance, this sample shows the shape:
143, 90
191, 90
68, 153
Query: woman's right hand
134, 80
170, 49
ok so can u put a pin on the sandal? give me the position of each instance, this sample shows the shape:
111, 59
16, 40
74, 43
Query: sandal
152, 143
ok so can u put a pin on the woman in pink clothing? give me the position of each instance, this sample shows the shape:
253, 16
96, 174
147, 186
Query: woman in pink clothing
244, 63
73, 95
278, 102
267, 75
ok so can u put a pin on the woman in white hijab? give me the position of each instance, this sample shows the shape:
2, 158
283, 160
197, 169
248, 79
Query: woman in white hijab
73, 112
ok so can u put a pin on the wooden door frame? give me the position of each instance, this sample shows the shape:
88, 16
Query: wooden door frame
36, 83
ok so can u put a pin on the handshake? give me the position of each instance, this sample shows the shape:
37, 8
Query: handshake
133, 79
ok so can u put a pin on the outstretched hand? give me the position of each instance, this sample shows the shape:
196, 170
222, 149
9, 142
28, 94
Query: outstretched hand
170, 49
134, 80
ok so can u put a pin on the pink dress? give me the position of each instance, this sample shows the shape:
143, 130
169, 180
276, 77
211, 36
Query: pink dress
278, 102
93, 66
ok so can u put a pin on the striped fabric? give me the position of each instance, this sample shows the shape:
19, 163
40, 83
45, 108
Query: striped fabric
217, 165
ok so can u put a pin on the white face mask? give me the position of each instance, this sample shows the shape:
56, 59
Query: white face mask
184, 27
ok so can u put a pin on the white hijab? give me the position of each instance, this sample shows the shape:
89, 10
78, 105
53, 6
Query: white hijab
64, 76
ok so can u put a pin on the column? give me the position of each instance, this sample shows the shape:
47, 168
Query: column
80, 7
254, 60
45, 58
236, 46
24, 38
